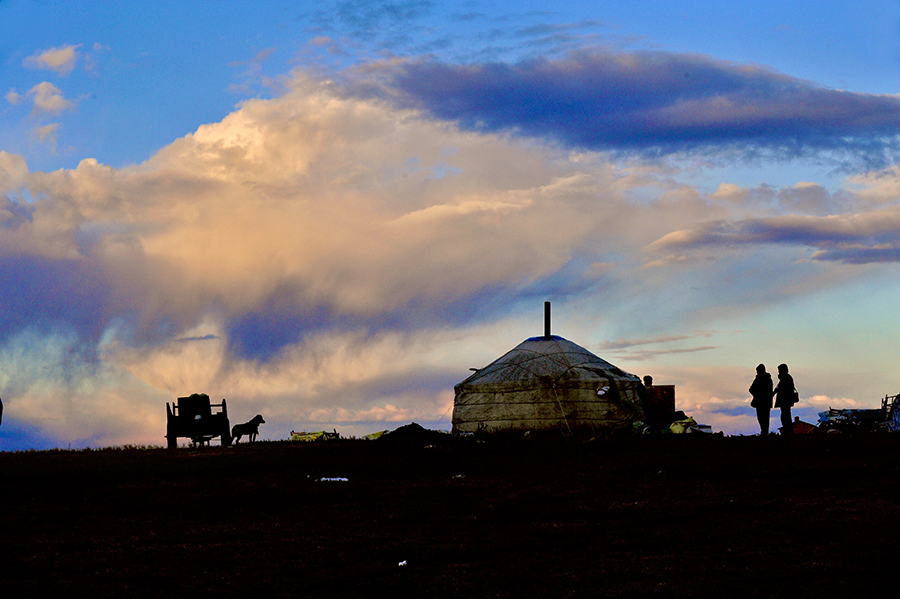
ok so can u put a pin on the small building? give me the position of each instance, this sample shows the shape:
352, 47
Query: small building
547, 383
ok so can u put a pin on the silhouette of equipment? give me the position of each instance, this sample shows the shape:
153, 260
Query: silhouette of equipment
193, 417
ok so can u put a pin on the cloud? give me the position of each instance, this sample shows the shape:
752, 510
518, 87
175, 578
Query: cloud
366, 18
54, 384
47, 133
629, 343
630, 350
13, 171
254, 62
654, 104
252, 73
321, 40
849, 238
312, 252
48, 99
61, 60
380, 24
644, 355
551, 29
13, 97
803, 197
824, 402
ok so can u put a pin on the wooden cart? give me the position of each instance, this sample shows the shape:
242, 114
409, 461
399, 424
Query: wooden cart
193, 417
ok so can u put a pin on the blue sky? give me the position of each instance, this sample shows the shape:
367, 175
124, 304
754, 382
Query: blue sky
328, 212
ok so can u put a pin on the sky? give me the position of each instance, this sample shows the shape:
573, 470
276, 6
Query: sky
328, 212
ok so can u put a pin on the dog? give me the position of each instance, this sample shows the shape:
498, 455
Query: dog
251, 429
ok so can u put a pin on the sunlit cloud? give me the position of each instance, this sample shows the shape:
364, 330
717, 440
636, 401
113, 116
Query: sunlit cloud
61, 60
303, 254
852, 238
48, 100
824, 402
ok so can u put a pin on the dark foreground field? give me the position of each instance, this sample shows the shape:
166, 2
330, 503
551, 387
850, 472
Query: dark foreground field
687, 515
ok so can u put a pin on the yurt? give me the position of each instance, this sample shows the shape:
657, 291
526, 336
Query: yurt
547, 383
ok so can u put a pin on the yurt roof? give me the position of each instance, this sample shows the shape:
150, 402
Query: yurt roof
550, 358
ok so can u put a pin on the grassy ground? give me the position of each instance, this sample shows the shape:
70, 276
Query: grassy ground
671, 516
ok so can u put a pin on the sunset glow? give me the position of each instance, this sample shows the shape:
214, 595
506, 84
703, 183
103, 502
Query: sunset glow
328, 212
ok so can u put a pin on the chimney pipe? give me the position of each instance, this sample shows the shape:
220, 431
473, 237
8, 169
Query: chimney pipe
547, 320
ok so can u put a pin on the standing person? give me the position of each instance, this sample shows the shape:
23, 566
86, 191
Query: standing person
761, 391
785, 397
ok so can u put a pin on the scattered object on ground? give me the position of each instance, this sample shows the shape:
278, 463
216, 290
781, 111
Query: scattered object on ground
193, 417
315, 436
681, 426
677, 424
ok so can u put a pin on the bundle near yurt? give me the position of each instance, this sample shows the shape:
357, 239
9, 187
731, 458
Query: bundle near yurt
547, 383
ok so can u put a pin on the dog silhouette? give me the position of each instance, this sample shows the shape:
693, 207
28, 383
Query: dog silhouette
251, 429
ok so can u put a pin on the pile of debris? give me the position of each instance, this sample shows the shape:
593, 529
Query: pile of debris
886, 418
850, 421
414, 433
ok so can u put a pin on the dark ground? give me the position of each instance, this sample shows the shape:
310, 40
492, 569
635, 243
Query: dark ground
688, 515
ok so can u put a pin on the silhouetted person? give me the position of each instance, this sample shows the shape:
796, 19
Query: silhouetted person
761, 391
1, 411
785, 397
